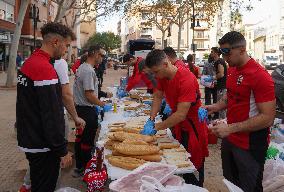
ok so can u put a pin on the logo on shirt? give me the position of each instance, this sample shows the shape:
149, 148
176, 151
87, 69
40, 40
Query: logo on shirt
240, 79
22, 80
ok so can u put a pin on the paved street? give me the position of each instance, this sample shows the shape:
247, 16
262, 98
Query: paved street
13, 164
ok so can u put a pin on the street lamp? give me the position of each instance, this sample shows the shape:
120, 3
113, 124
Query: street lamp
193, 25
34, 15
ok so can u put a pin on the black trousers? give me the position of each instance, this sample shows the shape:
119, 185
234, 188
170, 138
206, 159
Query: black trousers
44, 170
211, 93
100, 75
243, 168
190, 178
85, 141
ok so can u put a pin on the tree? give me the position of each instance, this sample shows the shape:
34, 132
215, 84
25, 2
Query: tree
164, 13
15, 43
85, 11
192, 10
108, 40
158, 13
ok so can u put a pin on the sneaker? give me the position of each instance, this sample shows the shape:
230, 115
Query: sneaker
25, 188
78, 173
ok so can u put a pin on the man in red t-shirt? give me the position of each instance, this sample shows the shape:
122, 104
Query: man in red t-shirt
194, 69
172, 56
138, 76
250, 104
181, 91
79, 61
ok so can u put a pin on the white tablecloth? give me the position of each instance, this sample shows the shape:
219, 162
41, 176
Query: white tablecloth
115, 172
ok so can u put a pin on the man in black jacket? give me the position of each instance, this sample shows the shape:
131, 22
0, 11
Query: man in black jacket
39, 109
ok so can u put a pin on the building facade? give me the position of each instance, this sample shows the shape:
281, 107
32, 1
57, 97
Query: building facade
9, 10
204, 36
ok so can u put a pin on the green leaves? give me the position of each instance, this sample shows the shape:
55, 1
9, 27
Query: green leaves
108, 40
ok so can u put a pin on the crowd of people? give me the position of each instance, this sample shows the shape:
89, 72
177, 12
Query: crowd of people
241, 90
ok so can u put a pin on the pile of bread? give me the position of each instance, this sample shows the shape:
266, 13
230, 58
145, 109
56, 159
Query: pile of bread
130, 149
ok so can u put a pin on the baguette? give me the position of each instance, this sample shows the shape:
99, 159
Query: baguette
110, 144
134, 142
115, 129
179, 164
117, 125
168, 145
132, 130
152, 158
121, 136
129, 149
128, 163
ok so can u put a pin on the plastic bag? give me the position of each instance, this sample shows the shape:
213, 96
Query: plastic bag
207, 81
272, 168
67, 189
232, 187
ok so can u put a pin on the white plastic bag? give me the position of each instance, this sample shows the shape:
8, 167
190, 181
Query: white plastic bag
67, 189
272, 168
150, 184
232, 187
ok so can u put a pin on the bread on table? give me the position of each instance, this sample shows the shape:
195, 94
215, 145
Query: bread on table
121, 136
128, 163
130, 149
168, 145
152, 158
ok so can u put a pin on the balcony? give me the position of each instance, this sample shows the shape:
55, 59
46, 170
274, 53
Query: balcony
146, 32
201, 37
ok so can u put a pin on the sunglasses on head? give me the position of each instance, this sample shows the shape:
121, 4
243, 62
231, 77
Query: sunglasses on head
226, 51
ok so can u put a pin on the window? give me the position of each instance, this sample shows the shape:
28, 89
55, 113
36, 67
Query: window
249, 45
159, 41
249, 35
182, 42
145, 16
6, 11
200, 44
44, 2
199, 34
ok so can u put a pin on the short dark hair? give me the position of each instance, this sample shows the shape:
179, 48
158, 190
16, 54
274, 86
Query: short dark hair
233, 38
94, 49
216, 50
155, 58
127, 57
189, 58
170, 52
57, 28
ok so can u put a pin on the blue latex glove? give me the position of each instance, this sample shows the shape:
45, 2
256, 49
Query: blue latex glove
98, 109
148, 102
167, 110
208, 79
202, 115
149, 128
107, 107
163, 102
121, 93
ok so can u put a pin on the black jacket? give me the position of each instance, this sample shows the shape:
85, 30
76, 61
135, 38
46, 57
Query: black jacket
39, 108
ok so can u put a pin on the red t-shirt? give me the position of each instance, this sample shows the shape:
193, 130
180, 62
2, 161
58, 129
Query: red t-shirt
138, 78
195, 71
76, 65
180, 63
247, 86
182, 88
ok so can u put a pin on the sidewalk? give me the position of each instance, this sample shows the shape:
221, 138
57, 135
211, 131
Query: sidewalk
13, 163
